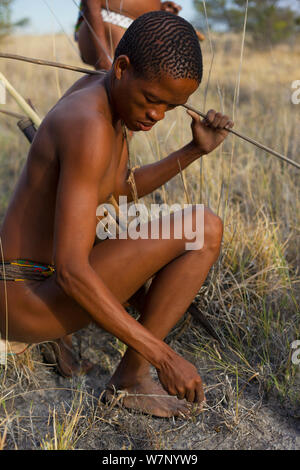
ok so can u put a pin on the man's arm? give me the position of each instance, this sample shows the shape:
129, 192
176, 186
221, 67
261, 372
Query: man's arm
95, 22
207, 135
84, 160
171, 7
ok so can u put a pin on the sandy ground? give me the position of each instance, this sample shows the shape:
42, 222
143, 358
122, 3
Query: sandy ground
253, 422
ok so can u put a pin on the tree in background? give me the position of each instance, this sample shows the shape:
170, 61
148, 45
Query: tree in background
268, 20
6, 24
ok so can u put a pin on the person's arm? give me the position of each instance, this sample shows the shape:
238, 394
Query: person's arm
171, 7
92, 13
200, 36
207, 135
85, 153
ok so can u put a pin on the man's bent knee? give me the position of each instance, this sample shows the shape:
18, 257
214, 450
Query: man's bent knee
206, 228
213, 231
202, 229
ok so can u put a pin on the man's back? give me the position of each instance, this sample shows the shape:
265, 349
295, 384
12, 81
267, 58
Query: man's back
28, 226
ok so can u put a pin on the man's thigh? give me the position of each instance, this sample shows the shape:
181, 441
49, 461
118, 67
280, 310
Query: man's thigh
126, 264
44, 311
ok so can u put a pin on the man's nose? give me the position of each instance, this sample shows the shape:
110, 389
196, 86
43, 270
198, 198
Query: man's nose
156, 114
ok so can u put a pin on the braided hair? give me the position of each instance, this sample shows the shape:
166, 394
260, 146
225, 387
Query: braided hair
159, 43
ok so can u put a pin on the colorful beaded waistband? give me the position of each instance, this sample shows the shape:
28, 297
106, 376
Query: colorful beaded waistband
22, 270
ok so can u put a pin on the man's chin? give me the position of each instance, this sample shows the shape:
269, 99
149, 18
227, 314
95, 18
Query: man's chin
132, 127
137, 126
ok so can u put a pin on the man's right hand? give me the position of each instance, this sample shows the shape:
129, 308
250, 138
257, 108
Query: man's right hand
171, 7
180, 378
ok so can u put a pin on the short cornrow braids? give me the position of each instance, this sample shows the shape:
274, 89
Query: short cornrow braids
159, 43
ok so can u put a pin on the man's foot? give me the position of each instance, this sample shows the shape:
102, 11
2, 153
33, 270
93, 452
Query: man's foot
149, 397
60, 353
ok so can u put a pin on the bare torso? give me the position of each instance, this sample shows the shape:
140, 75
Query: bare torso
77, 159
28, 226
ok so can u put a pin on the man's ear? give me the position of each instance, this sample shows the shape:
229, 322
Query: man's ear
121, 65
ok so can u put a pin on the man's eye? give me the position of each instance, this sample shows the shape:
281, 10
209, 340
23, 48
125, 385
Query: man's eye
151, 100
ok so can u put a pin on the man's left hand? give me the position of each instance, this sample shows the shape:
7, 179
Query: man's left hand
210, 132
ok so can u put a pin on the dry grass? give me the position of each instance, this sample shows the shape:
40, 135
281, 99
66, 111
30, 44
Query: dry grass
251, 295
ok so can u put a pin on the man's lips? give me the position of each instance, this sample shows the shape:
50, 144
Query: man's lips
145, 126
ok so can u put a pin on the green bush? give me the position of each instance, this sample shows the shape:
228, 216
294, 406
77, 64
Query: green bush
6, 24
269, 21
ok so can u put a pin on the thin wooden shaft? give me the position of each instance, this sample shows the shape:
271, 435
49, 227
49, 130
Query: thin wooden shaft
21, 102
191, 108
51, 64
249, 139
12, 114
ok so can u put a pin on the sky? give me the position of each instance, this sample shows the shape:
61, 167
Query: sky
43, 21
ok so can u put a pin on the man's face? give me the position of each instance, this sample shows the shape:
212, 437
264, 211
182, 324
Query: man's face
143, 102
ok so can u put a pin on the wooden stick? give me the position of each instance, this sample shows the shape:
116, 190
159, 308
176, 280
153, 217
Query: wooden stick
248, 139
51, 64
21, 102
12, 114
195, 312
97, 72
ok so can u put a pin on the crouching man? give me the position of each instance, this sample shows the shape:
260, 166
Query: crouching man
77, 160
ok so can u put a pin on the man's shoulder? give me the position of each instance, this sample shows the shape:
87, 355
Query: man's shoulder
79, 121
81, 135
